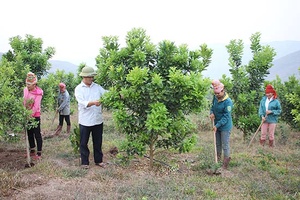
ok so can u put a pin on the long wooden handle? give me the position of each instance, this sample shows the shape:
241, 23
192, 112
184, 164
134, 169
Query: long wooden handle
54, 118
255, 133
28, 159
215, 143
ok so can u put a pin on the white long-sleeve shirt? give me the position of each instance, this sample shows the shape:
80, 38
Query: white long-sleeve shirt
89, 116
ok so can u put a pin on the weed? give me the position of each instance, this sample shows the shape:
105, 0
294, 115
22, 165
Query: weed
266, 160
8, 182
75, 173
283, 131
210, 194
75, 139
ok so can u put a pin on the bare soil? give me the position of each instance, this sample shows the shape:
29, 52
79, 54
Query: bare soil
12, 159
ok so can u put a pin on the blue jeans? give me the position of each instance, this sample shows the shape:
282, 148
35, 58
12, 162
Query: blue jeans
222, 142
97, 132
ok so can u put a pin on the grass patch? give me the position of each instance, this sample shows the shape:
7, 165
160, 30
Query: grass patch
257, 172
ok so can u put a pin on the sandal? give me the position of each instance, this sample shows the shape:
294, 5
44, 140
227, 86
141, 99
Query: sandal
84, 166
103, 165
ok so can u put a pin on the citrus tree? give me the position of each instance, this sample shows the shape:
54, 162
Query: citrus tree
288, 95
152, 89
247, 84
25, 55
28, 52
13, 113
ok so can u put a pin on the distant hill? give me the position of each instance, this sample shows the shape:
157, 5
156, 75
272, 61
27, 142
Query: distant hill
219, 64
285, 67
62, 65
59, 65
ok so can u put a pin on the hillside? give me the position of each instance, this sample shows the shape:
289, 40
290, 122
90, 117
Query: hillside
286, 66
219, 64
62, 65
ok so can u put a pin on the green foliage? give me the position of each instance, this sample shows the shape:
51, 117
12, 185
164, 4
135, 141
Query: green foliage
266, 160
75, 140
283, 131
247, 85
288, 95
29, 51
293, 98
258, 67
50, 87
152, 90
13, 114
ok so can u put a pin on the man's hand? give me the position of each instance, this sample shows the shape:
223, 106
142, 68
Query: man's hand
94, 103
212, 116
97, 103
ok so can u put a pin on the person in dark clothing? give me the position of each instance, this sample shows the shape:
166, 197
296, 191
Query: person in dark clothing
63, 109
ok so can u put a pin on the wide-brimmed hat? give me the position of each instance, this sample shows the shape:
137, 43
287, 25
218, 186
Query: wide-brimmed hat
87, 71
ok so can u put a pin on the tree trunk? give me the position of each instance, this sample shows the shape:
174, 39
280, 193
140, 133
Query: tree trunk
151, 154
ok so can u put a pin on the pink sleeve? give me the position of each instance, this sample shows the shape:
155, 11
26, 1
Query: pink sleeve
25, 93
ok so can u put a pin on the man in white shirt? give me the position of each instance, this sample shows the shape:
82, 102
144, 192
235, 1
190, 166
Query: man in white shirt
88, 94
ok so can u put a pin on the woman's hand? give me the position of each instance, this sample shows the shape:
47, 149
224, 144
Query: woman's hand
268, 112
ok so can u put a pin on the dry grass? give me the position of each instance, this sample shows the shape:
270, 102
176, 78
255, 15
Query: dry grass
255, 173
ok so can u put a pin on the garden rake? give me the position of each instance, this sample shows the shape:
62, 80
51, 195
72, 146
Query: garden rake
55, 114
215, 167
255, 133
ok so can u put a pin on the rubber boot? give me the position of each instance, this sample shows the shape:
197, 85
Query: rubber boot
68, 129
226, 162
262, 142
58, 130
271, 143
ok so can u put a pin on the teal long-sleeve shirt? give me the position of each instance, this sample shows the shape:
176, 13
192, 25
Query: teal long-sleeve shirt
274, 106
222, 110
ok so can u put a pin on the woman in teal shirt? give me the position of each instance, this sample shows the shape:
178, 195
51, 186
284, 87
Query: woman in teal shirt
220, 112
269, 110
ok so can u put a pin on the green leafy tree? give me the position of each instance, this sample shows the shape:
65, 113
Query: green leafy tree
293, 98
13, 114
248, 81
29, 51
26, 55
159, 85
288, 95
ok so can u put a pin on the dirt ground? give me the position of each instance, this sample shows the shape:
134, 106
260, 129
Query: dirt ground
12, 159
34, 185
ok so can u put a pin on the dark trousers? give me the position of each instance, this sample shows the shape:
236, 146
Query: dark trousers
97, 132
66, 118
34, 135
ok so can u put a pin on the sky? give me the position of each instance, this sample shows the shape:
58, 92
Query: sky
75, 28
